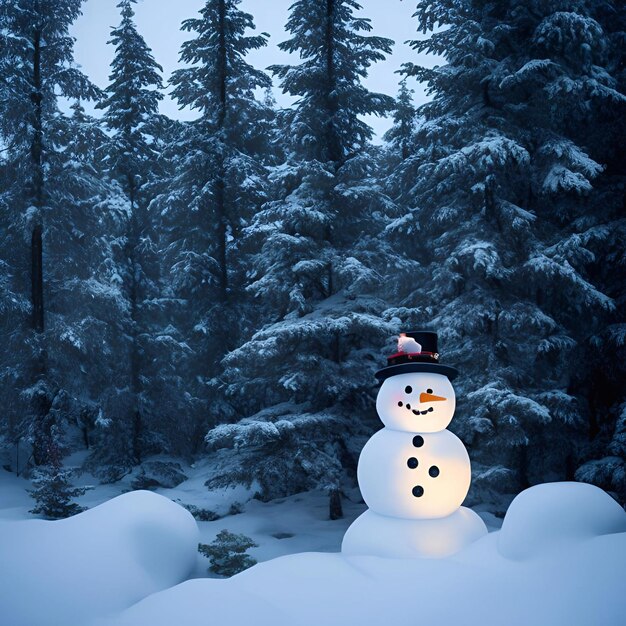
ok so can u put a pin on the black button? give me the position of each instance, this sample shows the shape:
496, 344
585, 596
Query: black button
412, 462
434, 471
418, 441
418, 491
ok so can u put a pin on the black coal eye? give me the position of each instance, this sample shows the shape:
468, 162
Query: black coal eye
408, 389
429, 391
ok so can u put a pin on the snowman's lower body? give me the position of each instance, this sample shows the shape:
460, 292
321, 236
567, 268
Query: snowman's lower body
393, 537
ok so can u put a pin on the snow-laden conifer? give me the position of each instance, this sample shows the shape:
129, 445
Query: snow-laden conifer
601, 229
302, 383
401, 135
130, 111
56, 208
216, 184
503, 170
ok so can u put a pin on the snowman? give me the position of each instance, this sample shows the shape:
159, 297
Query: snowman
414, 474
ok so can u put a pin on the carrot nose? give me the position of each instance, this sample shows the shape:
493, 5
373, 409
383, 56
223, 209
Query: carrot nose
429, 397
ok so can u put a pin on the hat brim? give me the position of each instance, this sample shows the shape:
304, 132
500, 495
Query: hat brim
406, 368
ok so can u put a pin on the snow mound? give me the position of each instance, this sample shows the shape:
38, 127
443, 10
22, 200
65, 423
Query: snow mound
478, 586
98, 562
378, 535
119, 564
551, 515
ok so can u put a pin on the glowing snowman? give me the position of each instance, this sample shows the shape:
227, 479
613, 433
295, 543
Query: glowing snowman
414, 474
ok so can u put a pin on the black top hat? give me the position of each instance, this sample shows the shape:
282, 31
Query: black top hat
427, 360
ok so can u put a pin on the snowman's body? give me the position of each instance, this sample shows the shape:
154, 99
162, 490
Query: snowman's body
414, 474
411, 475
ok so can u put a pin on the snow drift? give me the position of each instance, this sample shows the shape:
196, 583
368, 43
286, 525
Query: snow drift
557, 515
574, 582
560, 560
105, 559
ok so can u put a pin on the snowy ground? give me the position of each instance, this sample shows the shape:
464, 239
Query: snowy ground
560, 559
285, 526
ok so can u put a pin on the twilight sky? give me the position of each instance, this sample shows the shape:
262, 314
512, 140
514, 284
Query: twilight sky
159, 22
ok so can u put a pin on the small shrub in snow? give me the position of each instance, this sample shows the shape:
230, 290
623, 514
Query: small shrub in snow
159, 474
227, 553
53, 493
235, 508
200, 514
144, 482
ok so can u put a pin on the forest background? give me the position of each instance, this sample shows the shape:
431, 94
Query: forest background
225, 286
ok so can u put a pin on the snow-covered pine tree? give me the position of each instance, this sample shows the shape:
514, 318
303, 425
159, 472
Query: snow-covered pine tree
398, 147
87, 246
131, 106
602, 381
227, 553
53, 490
58, 214
217, 184
90, 293
401, 135
503, 170
302, 384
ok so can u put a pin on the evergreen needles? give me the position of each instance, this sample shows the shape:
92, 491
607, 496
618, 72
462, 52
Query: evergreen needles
227, 553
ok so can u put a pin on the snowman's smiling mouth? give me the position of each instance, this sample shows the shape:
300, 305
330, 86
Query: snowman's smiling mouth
415, 411
428, 410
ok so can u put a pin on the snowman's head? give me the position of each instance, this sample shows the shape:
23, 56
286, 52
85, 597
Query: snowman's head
419, 402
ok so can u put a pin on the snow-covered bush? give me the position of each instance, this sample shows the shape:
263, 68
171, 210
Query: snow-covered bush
200, 514
227, 553
54, 492
159, 474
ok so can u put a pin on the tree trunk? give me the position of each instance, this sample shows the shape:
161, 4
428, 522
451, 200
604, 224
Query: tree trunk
222, 232
41, 403
334, 504
222, 69
406, 153
220, 199
36, 248
133, 242
38, 181
333, 146
523, 467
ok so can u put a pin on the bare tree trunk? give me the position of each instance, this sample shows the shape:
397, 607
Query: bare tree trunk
222, 234
42, 402
333, 146
220, 199
334, 504
523, 467
38, 181
36, 248
133, 242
